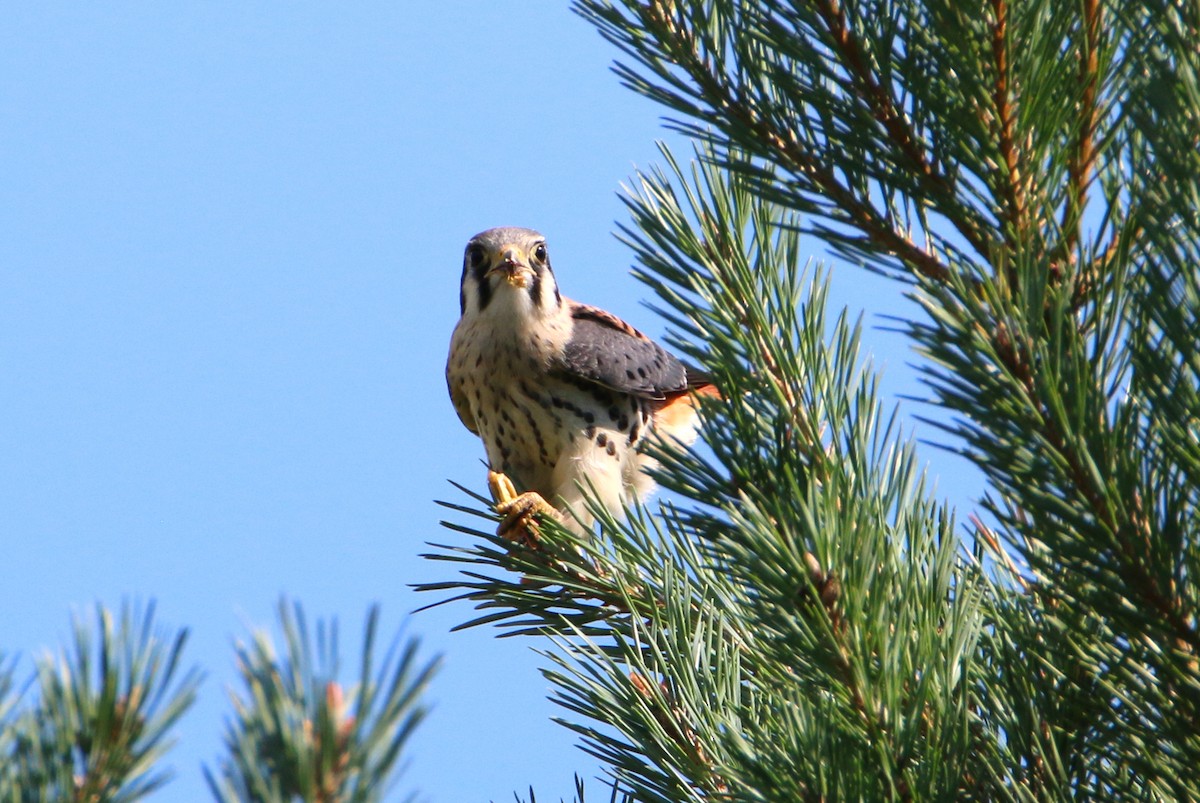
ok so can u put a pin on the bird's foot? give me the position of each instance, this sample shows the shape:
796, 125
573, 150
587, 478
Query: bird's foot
520, 511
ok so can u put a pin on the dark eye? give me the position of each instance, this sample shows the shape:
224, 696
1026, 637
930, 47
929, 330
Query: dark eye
475, 256
539, 252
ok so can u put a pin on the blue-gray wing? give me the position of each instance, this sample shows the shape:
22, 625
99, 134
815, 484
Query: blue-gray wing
606, 351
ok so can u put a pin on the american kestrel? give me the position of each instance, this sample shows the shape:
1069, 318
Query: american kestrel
562, 394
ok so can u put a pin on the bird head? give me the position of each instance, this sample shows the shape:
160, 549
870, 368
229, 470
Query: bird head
510, 267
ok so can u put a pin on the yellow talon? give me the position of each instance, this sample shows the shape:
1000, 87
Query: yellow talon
503, 491
520, 511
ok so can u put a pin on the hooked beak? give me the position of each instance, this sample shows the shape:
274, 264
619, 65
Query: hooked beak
514, 271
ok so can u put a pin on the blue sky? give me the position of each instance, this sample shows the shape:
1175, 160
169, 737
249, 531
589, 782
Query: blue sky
230, 242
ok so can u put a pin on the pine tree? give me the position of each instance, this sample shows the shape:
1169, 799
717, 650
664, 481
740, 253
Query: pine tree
301, 734
98, 722
799, 618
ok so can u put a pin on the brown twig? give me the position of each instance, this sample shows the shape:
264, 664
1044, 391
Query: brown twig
1013, 186
673, 719
1133, 535
993, 545
1082, 162
682, 46
855, 56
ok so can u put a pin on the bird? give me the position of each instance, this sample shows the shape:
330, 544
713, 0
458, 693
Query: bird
564, 395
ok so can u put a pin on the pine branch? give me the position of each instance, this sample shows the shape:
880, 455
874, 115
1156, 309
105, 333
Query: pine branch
300, 733
1029, 336
751, 122
101, 720
1083, 156
855, 55
800, 625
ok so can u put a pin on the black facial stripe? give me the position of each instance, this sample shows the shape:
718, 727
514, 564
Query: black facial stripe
535, 288
462, 288
476, 273
485, 289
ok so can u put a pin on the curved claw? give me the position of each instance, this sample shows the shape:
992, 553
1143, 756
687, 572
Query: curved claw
502, 488
520, 511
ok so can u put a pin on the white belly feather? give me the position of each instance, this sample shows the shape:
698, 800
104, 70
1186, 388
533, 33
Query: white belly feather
549, 434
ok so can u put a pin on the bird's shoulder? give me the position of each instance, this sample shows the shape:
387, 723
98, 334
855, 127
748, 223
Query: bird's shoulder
587, 315
607, 351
